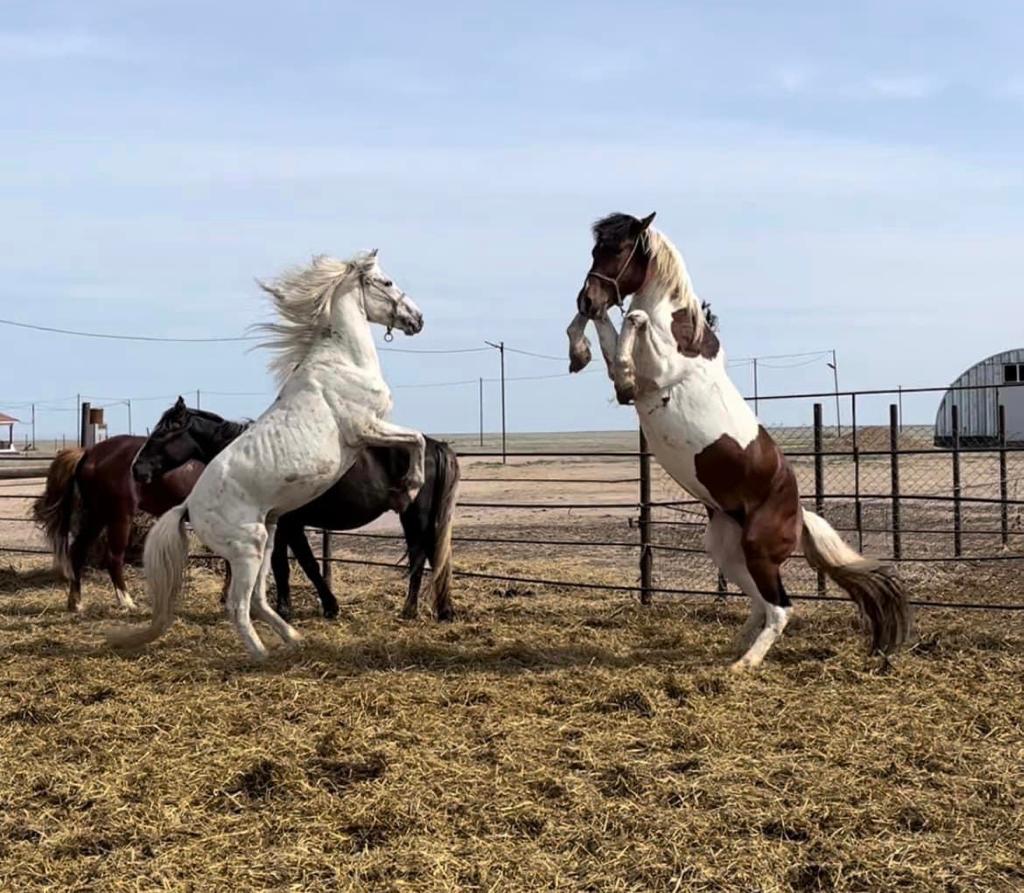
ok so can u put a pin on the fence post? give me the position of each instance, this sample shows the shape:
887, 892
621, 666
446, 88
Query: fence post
646, 555
325, 556
1004, 490
858, 511
957, 520
819, 479
894, 465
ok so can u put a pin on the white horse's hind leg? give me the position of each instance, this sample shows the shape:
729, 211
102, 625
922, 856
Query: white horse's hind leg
722, 540
245, 569
261, 608
245, 554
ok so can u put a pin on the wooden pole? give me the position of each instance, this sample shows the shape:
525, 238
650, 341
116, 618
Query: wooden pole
646, 553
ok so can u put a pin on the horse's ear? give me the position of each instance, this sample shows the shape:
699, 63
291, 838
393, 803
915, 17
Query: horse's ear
647, 221
373, 254
179, 404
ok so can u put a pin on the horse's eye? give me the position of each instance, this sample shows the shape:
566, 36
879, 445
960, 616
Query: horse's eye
387, 283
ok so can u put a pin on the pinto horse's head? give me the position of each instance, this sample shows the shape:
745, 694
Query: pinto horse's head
168, 447
619, 263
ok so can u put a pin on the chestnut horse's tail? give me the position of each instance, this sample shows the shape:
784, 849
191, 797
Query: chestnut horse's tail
164, 558
878, 592
54, 509
446, 489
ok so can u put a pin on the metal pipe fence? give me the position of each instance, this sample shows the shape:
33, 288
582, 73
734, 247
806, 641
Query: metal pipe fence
943, 510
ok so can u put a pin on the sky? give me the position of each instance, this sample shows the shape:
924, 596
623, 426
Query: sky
837, 176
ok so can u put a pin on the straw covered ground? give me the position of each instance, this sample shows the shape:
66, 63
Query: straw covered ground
546, 740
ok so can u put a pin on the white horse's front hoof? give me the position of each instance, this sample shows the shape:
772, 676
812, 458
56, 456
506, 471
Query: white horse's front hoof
741, 666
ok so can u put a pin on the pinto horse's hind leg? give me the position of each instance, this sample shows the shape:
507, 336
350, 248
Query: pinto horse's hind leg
744, 560
769, 538
723, 540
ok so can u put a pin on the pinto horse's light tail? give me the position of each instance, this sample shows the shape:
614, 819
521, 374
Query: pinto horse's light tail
877, 591
164, 558
443, 510
55, 508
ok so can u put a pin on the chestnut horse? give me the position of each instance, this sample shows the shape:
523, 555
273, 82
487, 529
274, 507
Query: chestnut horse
92, 491
668, 362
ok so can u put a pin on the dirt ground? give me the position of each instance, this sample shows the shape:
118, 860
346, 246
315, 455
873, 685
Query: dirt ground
550, 738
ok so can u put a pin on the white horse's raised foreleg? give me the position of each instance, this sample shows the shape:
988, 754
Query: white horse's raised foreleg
385, 434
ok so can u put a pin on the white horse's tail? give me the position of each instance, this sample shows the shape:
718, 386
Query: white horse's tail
164, 559
878, 592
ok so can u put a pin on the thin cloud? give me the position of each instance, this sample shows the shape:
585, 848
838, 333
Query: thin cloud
56, 45
792, 78
902, 86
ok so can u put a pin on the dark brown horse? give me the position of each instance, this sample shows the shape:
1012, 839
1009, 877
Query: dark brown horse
92, 491
366, 492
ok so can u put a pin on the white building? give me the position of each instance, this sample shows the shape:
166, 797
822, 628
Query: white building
1002, 375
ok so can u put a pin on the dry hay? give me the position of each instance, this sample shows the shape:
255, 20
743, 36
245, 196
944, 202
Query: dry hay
543, 741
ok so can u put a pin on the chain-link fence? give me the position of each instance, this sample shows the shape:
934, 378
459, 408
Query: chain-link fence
593, 511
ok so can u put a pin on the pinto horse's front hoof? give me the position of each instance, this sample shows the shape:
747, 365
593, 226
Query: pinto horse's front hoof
625, 395
579, 355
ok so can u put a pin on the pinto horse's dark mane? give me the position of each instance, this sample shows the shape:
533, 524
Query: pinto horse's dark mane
616, 227
710, 318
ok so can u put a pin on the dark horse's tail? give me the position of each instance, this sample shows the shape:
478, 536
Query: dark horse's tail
442, 512
55, 508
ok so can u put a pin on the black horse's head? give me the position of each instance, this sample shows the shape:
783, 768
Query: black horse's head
182, 434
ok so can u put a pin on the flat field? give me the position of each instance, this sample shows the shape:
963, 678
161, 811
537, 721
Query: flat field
550, 738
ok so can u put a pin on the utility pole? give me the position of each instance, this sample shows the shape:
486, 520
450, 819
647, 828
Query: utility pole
33, 426
834, 366
481, 412
78, 417
197, 399
500, 347
129, 402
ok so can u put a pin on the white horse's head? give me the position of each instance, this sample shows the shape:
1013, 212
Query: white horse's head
384, 302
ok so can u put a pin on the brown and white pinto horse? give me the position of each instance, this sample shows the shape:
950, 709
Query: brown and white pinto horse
668, 362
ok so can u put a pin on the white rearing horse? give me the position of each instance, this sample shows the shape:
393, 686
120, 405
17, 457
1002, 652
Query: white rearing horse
332, 403
668, 362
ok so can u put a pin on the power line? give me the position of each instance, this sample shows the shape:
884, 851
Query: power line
210, 340
113, 337
530, 353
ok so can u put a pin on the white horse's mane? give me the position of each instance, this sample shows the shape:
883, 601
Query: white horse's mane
667, 274
304, 299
